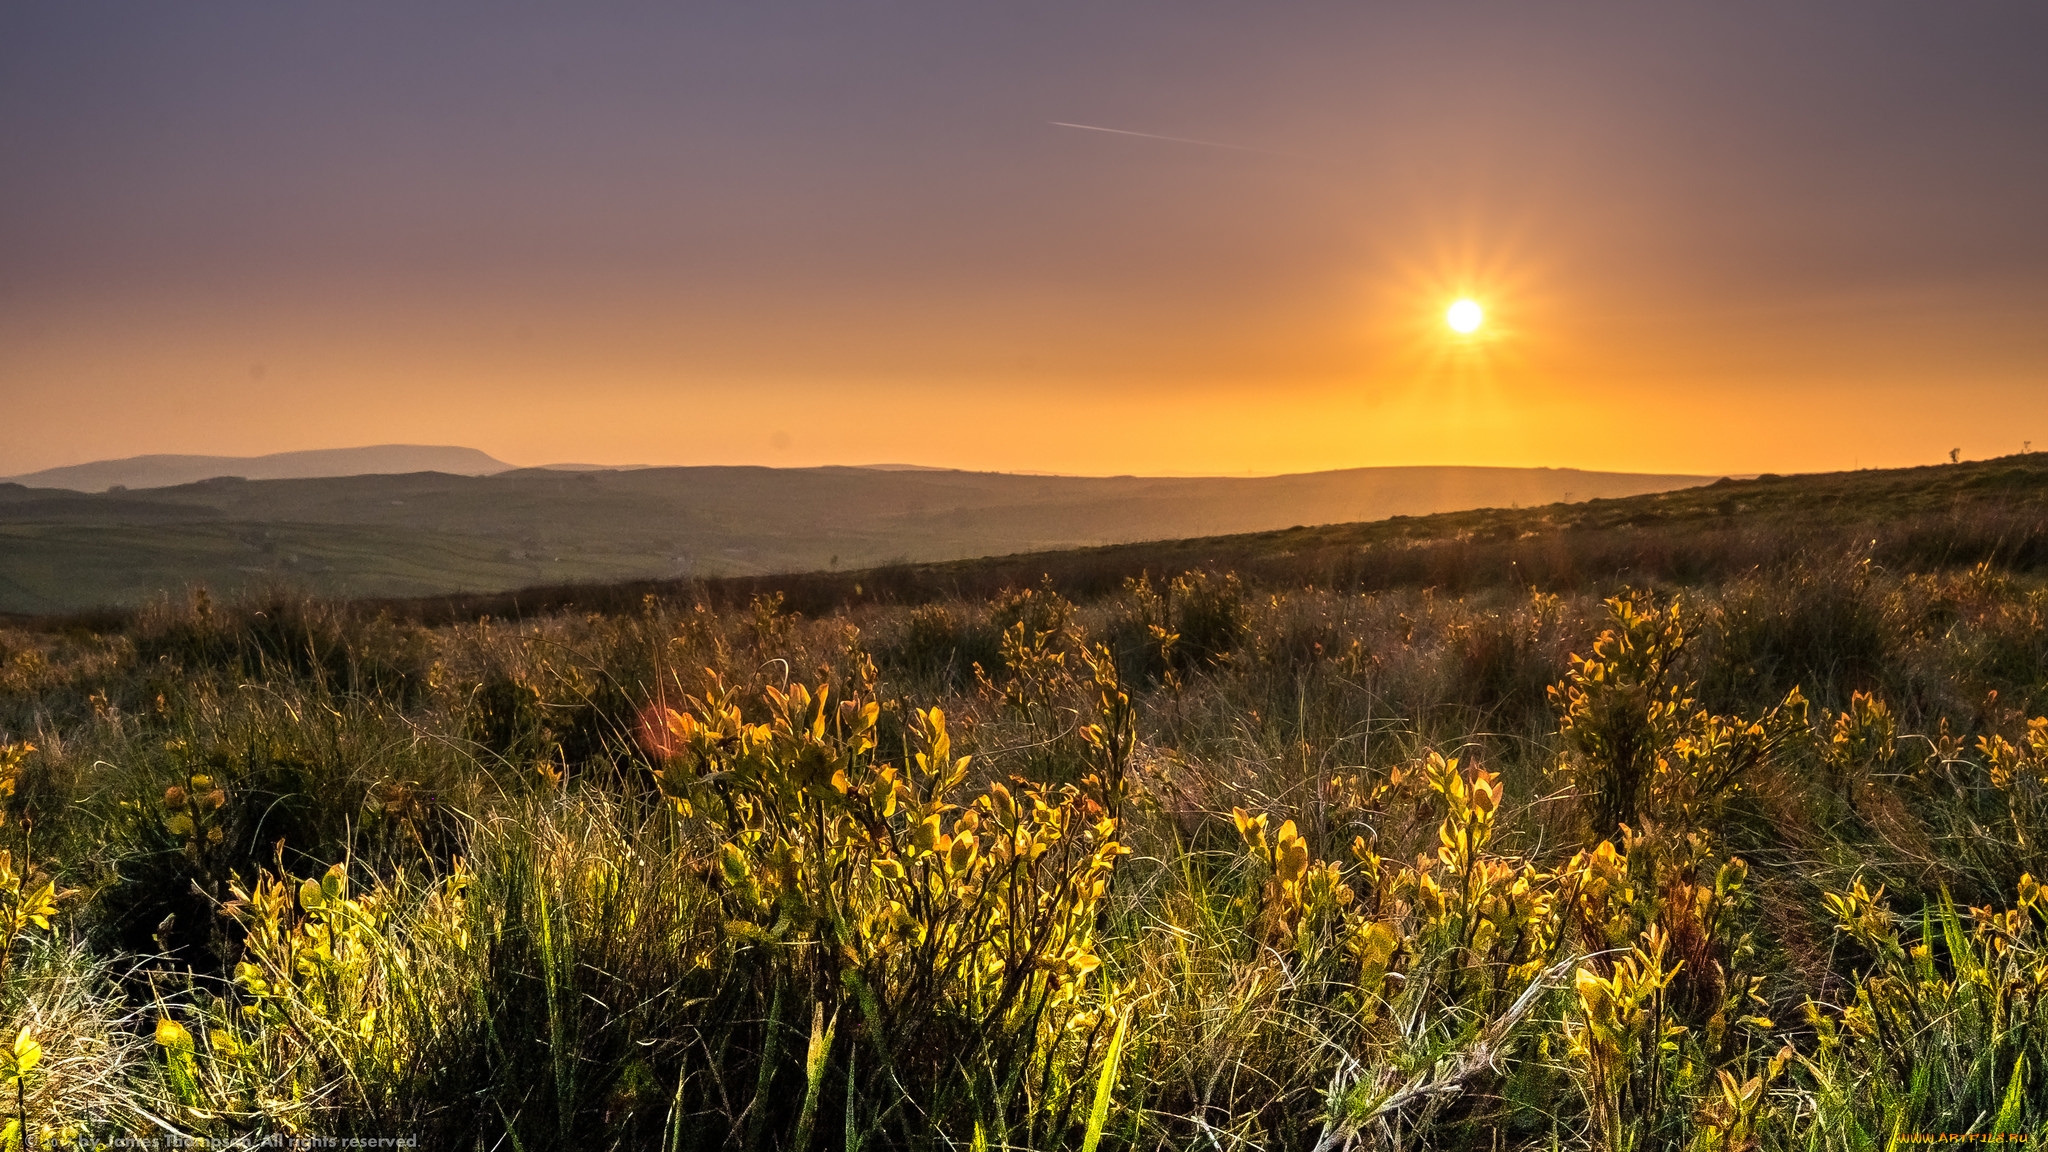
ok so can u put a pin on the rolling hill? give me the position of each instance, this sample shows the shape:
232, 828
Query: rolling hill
429, 533
1991, 514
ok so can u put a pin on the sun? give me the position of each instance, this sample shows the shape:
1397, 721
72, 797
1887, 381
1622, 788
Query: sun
1465, 317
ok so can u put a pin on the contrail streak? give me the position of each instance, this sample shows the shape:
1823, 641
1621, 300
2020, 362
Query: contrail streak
1157, 136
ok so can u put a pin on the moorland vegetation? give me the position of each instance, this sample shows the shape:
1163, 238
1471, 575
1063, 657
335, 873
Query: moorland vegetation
1628, 852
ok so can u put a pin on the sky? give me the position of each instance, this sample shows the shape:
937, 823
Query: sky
1729, 236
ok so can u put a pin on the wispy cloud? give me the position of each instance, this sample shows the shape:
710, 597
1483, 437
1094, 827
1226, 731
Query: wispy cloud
1169, 139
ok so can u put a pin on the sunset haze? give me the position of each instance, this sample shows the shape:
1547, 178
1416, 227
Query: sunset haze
1707, 238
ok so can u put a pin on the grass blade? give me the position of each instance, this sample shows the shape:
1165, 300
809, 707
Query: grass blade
2008, 1123
757, 1112
815, 1062
1098, 1113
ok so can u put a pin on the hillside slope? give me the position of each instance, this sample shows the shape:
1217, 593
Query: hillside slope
1992, 512
435, 533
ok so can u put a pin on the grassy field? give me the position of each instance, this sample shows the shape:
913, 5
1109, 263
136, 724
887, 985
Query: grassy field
1708, 820
430, 532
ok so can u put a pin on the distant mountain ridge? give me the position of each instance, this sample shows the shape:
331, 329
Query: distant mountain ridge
166, 471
